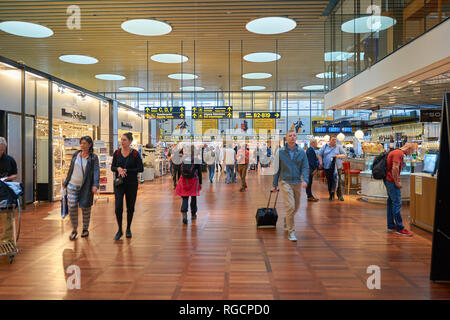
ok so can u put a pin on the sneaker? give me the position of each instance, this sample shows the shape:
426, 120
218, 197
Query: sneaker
391, 230
404, 232
292, 236
184, 217
193, 216
313, 199
341, 198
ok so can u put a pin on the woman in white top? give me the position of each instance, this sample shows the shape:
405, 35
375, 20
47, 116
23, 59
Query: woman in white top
82, 183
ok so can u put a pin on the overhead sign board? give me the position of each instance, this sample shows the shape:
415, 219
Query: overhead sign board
259, 115
212, 112
165, 112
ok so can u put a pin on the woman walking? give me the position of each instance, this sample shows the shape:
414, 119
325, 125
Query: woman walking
127, 163
190, 184
82, 181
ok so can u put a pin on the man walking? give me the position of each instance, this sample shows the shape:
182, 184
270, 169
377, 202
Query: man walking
330, 159
243, 159
393, 188
230, 159
292, 166
313, 165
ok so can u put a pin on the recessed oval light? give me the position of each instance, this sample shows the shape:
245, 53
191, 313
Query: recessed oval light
253, 88
262, 57
271, 25
182, 76
330, 75
131, 89
25, 29
169, 58
146, 27
368, 24
336, 56
107, 76
78, 59
192, 88
256, 75
314, 87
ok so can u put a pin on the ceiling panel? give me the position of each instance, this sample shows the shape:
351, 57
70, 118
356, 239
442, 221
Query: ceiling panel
213, 25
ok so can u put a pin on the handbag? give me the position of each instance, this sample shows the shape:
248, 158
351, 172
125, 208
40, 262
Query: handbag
118, 181
64, 206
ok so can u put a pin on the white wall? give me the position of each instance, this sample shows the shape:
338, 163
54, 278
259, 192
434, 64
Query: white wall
72, 102
10, 90
430, 48
131, 118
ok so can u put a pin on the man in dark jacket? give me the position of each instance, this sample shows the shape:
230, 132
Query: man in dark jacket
8, 172
313, 165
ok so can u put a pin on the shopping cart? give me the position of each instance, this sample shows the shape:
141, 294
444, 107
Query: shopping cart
10, 193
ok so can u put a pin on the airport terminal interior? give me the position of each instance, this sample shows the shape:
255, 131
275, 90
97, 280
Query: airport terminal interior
225, 150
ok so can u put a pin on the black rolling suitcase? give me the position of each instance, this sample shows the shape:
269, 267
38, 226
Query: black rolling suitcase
267, 217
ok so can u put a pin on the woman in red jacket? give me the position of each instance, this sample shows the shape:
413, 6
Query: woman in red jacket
190, 183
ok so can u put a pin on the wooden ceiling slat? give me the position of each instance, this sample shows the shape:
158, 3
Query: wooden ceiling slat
205, 21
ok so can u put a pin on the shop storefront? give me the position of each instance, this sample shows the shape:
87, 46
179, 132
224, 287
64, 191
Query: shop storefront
130, 121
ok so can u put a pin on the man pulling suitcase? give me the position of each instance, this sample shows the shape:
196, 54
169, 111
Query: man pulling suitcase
292, 167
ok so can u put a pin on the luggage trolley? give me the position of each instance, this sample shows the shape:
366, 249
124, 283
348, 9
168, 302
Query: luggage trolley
9, 202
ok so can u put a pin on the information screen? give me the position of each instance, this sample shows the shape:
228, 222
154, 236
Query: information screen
429, 162
320, 129
334, 130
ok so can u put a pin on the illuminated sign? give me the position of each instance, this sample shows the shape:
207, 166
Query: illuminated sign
165, 112
259, 115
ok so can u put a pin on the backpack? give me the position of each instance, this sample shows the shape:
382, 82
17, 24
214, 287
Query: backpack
188, 171
379, 166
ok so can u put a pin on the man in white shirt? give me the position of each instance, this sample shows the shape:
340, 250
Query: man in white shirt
230, 160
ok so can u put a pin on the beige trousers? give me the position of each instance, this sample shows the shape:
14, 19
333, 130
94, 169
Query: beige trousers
243, 168
291, 194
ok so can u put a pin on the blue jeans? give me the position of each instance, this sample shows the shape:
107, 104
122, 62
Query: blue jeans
211, 169
231, 175
394, 205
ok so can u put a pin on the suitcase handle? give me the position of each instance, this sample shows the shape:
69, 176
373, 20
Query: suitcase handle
276, 198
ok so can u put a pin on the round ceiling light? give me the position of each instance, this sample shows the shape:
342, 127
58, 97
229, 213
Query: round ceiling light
256, 75
146, 27
262, 57
335, 56
253, 88
330, 75
315, 87
368, 24
107, 76
182, 76
271, 25
169, 58
131, 89
192, 88
25, 29
78, 59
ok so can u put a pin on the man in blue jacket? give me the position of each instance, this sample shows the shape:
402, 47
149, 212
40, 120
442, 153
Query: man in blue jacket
292, 166
313, 165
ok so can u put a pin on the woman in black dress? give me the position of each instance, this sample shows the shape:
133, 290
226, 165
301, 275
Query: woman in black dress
126, 164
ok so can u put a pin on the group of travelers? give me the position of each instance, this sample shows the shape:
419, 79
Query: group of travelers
296, 170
